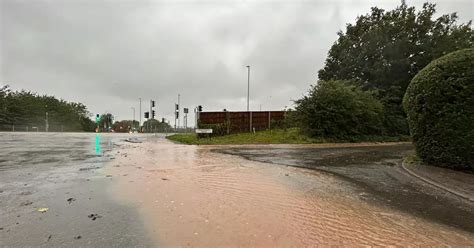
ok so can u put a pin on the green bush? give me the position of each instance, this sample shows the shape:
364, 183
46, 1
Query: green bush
440, 106
339, 109
217, 129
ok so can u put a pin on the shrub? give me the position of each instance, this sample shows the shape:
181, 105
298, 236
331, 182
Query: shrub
339, 109
440, 106
217, 129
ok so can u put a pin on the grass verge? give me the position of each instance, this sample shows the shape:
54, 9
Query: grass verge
412, 159
276, 136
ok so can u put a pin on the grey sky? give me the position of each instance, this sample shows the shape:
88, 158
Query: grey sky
107, 54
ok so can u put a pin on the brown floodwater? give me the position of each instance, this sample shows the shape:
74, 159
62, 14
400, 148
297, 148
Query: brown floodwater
194, 197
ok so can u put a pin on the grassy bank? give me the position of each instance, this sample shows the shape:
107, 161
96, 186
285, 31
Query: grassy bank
278, 136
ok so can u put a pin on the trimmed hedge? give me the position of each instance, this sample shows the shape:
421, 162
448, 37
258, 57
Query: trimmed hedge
440, 106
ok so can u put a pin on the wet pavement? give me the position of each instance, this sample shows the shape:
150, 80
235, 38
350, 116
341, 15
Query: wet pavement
101, 191
61, 174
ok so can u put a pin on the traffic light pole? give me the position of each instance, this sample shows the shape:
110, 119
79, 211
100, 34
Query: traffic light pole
140, 123
178, 109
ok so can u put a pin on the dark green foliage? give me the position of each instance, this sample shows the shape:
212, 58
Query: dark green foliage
125, 126
29, 109
106, 122
290, 121
153, 125
217, 129
384, 50
440, 106
339, 109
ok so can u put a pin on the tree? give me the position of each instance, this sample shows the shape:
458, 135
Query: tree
153, 125
125, 126
385, 50
106, 122
339, 109
440, 106
26, 108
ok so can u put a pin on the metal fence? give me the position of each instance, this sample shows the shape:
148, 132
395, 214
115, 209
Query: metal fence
36, 128
245, 121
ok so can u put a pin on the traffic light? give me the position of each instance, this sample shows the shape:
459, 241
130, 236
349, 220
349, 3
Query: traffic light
177, 115
152, 103
153, 114
97, 118
199, 108
177, 107
147, 115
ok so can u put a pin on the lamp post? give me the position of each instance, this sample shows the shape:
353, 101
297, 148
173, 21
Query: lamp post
133, 122
248, 86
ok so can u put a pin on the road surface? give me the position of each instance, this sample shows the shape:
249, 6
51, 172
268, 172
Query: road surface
101, 191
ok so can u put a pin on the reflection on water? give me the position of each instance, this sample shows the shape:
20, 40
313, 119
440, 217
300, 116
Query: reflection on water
44, 150
97, 144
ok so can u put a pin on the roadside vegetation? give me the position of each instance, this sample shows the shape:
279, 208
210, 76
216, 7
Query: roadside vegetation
26, 108
275, 136
361, 93
384, 50
362, 89
440, 107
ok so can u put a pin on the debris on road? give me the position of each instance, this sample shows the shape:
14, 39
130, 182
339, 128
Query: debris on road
70, 200
42, 210
132, 140
26, 203
94, 216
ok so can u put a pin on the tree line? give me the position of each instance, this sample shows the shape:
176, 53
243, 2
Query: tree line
26, 108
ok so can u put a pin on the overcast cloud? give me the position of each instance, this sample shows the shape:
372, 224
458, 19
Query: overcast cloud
107, 54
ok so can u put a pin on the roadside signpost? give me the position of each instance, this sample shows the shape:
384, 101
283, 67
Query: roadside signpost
204, 131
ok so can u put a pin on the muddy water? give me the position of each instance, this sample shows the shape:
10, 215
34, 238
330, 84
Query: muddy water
191, 196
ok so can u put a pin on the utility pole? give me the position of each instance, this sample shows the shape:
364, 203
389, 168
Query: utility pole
133, 122
46, 128
248, 86
140, 123
46, 124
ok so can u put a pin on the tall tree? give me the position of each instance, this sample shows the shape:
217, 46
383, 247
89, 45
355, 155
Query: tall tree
385, 50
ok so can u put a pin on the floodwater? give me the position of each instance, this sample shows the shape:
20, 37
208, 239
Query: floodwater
195, 196
157, 193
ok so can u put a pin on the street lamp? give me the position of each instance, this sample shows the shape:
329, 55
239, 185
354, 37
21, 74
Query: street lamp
248, 86
133, 122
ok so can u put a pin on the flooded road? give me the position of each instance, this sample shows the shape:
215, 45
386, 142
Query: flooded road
199, 196
101, 191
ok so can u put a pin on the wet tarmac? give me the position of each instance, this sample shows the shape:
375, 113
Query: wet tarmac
62, 175
88, 190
